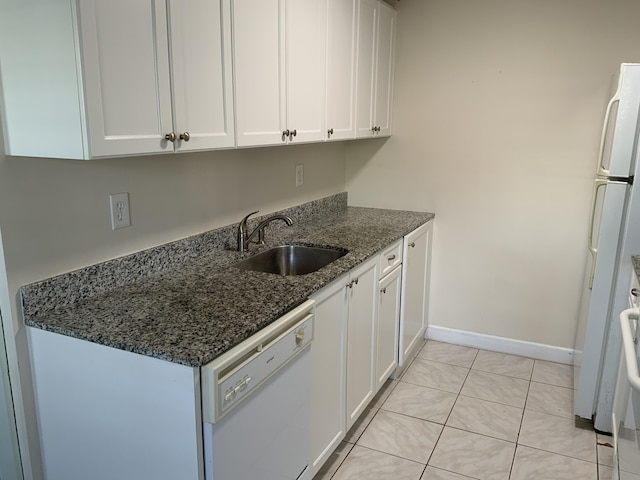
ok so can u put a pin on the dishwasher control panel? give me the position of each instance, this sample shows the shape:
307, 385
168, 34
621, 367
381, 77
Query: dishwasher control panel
263, 364
235, 375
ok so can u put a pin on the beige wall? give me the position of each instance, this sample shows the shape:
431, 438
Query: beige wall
54, 217
498, 107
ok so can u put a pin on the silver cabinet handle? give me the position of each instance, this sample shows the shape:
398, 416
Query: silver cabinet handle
293, 133
412, 244
356, 281
383, 290
391, 258
285, 133
330, 132
373, 129
635, 292
186, 136
170, 136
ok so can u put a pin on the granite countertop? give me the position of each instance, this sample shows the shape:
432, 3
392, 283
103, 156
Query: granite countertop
636, 265
196, 310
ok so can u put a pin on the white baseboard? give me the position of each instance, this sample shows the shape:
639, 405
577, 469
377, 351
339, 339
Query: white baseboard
501, 344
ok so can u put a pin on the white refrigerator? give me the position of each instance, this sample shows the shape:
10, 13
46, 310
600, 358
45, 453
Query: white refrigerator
613, 237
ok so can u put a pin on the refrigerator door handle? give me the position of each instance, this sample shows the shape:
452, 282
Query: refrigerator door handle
629, 347
602, 171
598, 184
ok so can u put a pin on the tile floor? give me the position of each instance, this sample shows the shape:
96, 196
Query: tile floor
459, 413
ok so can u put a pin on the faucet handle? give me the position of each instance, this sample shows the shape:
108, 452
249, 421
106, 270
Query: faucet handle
245, 218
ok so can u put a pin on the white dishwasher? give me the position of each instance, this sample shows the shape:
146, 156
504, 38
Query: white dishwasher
255, 403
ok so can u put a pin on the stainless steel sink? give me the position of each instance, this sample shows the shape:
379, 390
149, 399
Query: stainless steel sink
291, 260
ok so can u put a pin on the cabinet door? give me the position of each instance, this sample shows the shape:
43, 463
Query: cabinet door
259, 60
328, 422
415, 288
360, 338
384, 69
201, 66
126, 76
387, 326
366, 51
341, 69
306, 30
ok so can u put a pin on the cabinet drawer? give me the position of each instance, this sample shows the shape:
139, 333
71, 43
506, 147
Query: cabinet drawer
390, 258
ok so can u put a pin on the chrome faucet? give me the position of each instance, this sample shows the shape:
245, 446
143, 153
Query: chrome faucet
245, 238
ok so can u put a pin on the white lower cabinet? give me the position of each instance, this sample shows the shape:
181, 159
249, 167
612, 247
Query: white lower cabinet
328, 423
342, 375
365, 326
361, 338
106, 414
414, 301
387, 325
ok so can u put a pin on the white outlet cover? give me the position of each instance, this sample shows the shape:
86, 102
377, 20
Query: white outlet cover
299, 175
120, 216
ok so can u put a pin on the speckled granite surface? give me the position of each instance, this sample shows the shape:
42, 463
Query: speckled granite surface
636, 265
184, 302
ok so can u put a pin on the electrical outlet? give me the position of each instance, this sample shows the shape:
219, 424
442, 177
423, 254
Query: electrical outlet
120, 217
299, 175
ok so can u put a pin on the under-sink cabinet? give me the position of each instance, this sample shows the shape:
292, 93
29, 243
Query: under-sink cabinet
86, 79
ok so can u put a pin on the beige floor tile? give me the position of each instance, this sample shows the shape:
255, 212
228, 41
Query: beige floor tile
629, 476
334, 461
532, 464
361, 424
557, 435
486, 418
432, 473
366, 464
605, 473
384, 393
448, 353
503, 364
435, 375
421, 402
474, 455
496, 388
553, 373
605, 455
550, 399
403, 436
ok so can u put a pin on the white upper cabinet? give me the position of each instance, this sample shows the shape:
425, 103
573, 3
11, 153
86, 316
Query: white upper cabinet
125, 66
202, 74
148, 91
374, 78
341, 68
279, 55
109, 91
385, 55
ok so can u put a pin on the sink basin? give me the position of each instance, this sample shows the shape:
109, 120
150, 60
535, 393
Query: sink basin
291, 260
